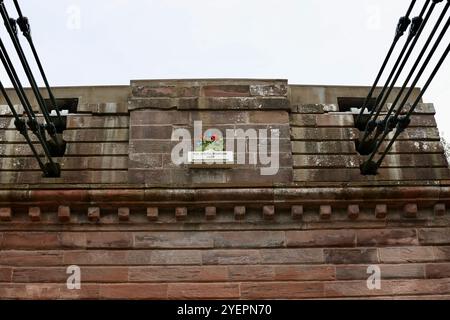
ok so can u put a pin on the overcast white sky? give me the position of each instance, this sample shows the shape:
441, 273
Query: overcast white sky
90, 42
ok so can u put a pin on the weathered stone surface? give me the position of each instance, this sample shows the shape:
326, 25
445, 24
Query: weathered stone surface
353, 211
35, 214
153, 214
325, 212
210, 213
124, 214
64, 213
410, 210
5, 214
381, 211
297, 212
94, 214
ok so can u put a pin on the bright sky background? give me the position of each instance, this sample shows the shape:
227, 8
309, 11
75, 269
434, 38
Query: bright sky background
90, 42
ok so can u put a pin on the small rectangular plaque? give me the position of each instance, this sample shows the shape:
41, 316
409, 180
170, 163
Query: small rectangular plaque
211, 157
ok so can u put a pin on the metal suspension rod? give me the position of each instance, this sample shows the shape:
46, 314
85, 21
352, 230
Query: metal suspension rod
36, 128
368, 166
419, 58
24, 25
406, 121
381, 125
421, 23
21, 127
11, 71
371, 125
10, 26
402, 26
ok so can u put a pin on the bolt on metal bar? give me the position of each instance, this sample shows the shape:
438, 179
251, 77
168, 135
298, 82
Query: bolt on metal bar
400, 30
24, 25
368, 166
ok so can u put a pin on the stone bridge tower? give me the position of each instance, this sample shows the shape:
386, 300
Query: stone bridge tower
140, 226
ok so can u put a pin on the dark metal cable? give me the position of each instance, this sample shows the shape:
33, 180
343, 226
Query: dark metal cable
10, 26
52, 169
419, 58
400, 30
368, 167
21, 127
24, 25
415, 26
406, 121
381, 125
421, 23
11, 71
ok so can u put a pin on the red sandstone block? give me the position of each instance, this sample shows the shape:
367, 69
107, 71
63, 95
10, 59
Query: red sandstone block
283, 273
73, 240
411, 287
381, 211
436, 236
248, 239
179, 274
230, 257
210, 213
268, 117
153, 214
5, 214
387, 237
437, 271
173, 240
321, 238
401, 271
268, 90
440, 209
35, 214
181, 214
304, 273
133, 291
203, 291
325, 212
30, 240
351, 256
292, 256
64, 213
282, 290
442, 253
353, 212
124, 214
226, 91
94, 214
31, 258
406, 254
104, 240
5, 274
239, 213
269, 212
297, 212
410, 210
151, 132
